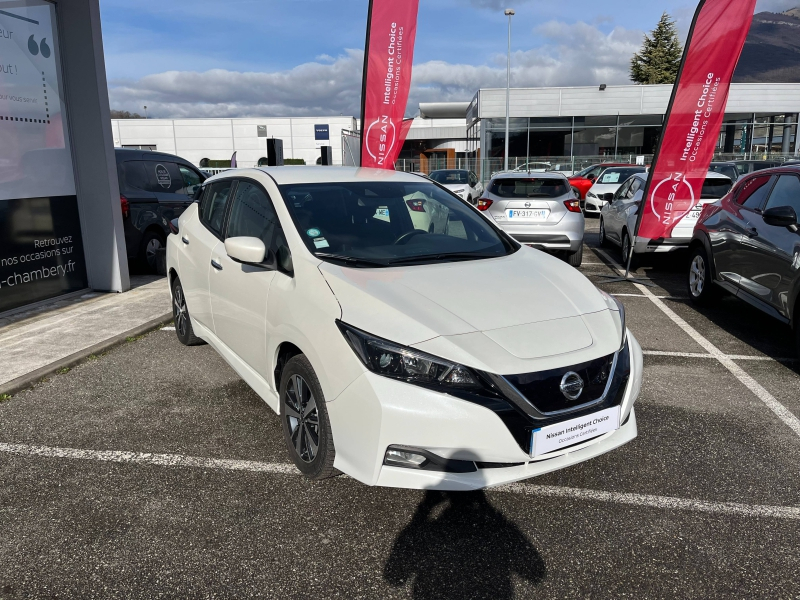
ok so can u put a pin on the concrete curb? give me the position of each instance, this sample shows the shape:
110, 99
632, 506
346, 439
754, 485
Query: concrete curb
30, 379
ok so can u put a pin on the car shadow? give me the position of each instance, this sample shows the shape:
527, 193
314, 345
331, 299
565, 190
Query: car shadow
458, 546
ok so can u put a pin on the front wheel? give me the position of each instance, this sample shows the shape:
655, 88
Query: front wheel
304, 418
702, 290
152, 245
603, 238
627, 252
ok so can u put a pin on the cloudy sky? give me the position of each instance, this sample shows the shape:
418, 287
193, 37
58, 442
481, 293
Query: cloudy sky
236, 58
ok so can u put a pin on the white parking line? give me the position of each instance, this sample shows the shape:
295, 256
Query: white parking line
643, 296
704, 355
167, 329
179, 460
783, 413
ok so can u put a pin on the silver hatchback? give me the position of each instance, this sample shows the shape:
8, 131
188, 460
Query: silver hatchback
537, 209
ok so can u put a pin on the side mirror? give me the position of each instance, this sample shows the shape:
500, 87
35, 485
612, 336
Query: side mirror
780, 216
285, 259
248, 250
608, 197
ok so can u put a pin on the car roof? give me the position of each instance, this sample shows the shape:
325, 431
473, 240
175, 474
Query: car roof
316, 174
518, 174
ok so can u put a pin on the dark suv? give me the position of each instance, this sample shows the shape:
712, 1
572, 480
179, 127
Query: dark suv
748, 243
154, 188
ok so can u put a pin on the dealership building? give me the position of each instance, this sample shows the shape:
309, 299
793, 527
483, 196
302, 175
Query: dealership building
571, 126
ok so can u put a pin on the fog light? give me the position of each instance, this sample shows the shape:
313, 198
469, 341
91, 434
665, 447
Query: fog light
404, 458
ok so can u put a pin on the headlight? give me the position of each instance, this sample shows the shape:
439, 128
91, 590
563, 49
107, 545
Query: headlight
406, 364
616, 305
590, 195
459, 191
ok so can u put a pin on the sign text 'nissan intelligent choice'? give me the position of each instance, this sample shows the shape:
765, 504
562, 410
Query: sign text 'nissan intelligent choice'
41, 250
391, 32
695, 114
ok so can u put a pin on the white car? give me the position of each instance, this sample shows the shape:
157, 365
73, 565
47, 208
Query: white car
618, 217
461, 182
534, 167
381, 345
606, 184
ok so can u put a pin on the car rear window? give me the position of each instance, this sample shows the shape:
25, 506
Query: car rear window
450, 177
528, 187
715, 188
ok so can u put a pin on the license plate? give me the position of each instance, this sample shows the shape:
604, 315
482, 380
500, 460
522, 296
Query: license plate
528, 214
568, 433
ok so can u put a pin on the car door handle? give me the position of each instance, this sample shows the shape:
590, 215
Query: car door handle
751, 232
185, 240
216, 265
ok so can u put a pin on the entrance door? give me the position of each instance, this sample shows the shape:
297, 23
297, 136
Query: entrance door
239, 293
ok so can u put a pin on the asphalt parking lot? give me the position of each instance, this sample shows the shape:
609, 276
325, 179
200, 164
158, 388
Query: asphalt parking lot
153, 471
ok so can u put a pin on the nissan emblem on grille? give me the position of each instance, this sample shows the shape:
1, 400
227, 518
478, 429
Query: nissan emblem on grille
527, 205
571, 385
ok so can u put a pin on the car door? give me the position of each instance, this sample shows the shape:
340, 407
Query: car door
240, 292
200, 235
135, 187
477, 186
613, 220
775, 251
733, 238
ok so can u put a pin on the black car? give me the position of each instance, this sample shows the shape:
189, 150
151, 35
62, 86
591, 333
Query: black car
154, 188
743, 167
725, 168
748, 243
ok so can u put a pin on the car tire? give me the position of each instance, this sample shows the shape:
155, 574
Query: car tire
797, 335
575, 258
700, 285
602, 234
180, 315
469, 199
628, 249
152, 243
304, 419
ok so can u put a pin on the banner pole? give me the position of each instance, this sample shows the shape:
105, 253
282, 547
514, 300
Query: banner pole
648, 185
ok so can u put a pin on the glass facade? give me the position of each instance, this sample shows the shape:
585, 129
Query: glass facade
575, 142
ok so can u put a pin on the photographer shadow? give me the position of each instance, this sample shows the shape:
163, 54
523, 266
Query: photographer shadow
458, 545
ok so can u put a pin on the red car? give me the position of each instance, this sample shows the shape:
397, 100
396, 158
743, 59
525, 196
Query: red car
581, 182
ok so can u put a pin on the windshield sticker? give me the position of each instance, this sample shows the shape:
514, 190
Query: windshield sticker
313, 232
163, 177
321, 242
611, 178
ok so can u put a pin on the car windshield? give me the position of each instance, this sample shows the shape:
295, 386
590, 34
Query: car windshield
450, 177
714, 187
610, 176
528, 187
380, 223
724, 169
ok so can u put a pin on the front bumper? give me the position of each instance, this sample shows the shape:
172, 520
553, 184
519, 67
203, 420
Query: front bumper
593, 205
672, 244
375, 412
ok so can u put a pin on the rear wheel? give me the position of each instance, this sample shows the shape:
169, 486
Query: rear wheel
627, 251
576, 258
180, 314
152, 244
702, 290
304, 418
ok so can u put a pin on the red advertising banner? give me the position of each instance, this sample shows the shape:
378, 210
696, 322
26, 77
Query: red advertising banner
695, 114
389, 54
401, 139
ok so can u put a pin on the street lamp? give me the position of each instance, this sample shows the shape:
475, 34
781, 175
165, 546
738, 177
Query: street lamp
509, 13
145, 112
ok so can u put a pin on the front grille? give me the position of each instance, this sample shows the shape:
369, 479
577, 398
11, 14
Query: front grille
543, 389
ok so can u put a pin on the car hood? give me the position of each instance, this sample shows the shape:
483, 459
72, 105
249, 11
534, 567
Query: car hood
455, 186
491, 313
604, 188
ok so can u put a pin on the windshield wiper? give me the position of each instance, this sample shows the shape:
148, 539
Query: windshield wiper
444, 255
351, 260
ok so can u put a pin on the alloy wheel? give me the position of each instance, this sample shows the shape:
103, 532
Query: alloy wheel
626, 247
302, 417
697, 276
179, 310
602, 232
153, 246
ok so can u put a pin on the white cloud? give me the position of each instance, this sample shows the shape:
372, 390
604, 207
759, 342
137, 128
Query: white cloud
574, 54
776, 6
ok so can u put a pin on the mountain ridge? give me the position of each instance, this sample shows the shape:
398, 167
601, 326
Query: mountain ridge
771, 53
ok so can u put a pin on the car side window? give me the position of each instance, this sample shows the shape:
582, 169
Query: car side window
212, 206
786, 193
754, 191
164, 176
133, 176
253, 215
622, 192
191, 181
635, 185
473, 179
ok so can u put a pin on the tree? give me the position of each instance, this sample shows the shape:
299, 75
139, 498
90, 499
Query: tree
124, 114
660, 57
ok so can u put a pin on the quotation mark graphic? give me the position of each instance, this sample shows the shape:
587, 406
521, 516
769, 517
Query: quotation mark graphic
35, 48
